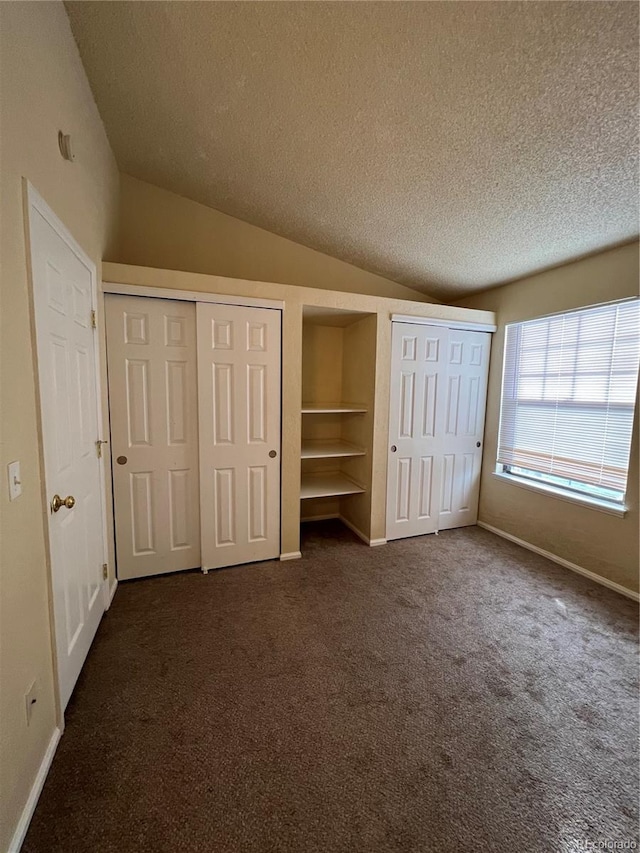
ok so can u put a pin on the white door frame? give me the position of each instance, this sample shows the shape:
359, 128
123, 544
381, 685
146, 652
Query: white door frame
35, 203
465, 325
190, 295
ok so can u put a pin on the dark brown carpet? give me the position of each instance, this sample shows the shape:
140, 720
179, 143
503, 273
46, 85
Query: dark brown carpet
445, 693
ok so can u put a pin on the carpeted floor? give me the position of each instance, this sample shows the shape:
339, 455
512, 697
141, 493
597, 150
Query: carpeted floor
444, 693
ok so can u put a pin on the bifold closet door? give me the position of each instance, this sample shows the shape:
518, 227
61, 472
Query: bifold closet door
239, 419
436, 424
151, 355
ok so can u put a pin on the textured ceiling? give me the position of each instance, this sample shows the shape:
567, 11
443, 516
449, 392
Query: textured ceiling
449, 146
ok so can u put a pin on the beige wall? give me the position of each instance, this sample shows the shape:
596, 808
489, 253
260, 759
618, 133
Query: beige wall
44, 89
601, 543
161, 229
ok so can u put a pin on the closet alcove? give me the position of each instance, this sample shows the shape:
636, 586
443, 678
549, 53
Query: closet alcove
338, 396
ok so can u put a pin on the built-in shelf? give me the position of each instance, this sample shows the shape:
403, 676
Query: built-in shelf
328, 485
326, 408
329, 449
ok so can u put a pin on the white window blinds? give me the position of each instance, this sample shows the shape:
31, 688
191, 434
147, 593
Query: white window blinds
568, 394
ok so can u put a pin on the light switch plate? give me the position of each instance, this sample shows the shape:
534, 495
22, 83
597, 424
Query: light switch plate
15, 483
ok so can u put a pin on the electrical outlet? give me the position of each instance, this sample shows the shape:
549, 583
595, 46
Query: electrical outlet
30, 700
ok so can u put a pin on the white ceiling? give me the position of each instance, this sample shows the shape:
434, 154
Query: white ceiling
449, 146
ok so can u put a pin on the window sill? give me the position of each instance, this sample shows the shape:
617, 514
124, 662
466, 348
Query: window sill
560, 494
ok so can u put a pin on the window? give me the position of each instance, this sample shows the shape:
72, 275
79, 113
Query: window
568, 398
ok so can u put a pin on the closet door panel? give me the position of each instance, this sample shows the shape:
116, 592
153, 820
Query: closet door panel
436, 423
467, 370
151, 357
415, 429
239, 418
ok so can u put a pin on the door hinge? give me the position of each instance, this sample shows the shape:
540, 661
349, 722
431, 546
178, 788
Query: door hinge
99, 444
105, 571
94, 323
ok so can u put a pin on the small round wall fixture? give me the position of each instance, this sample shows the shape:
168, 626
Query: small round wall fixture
64, 144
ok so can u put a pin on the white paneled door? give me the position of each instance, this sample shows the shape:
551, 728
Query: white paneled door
415, 429
239, 416
436, 423
151, 352
467, 366
64, 294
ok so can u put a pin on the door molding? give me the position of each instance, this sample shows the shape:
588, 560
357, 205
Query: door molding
465, 325
190, 295
35, 204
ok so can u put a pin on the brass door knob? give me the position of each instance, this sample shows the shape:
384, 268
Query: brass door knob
58, 502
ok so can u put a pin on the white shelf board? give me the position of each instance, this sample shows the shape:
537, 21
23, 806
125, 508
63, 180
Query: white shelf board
320, 408
329, 448
327, 485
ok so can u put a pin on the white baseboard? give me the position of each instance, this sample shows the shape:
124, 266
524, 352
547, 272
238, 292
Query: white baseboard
291, 555
112, 591
562, 562
371, 542
353, 528
34, 794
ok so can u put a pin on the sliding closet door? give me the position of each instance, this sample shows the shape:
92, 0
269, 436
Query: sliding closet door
239, 418
416, 419
151, 355
464, 408
436, 423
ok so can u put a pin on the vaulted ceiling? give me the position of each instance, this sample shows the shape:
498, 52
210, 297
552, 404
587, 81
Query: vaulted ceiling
449, 146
